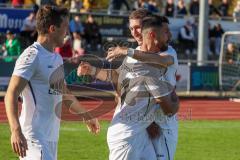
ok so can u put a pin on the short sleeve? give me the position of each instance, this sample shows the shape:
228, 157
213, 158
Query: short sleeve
156, 87
26, 64
171, 51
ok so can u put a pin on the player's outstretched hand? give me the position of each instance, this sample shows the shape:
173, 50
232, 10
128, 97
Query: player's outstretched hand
116, 52
19, 143
84, 68
153, 130
93, 126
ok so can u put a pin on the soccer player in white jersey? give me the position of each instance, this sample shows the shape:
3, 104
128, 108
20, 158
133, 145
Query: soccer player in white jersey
165, 143
34, 135
127, 136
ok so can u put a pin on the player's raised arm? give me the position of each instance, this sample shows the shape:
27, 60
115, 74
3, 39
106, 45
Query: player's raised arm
107, 75
18, 141
152, 59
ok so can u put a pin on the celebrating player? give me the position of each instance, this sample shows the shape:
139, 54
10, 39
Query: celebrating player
34, 135
135, 26
165, 143
127, 136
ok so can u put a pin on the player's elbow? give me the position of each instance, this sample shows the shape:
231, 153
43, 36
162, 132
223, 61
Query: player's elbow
169, 60
6, 99
9, 93
170, 109
175, 107
166, 60
168, 105
9, 97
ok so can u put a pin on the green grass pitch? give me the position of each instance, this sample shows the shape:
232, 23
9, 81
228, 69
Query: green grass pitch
198, 140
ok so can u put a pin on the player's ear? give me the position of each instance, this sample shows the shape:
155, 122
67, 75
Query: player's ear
51, 29
152, 35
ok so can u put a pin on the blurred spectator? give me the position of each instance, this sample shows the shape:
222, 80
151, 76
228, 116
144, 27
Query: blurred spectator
194, 7
11, 47
31, 4
78, 43
137, 4
212, 9
208, 41
211, 37
3, 1
140, 4
17, 3
87, 5
236, 12
44, 2
35, 8
186, 38
63, 3
92, 34
115, 6
218, 32
76, 5
223, 8
66, 50
75, 25
152, 6
28, 3
181, 8
77, 32
28, 30
170, 8
194, 24
232, 54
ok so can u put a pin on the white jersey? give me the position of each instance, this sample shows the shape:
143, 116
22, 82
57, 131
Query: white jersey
38, 117
164, 121
139, 85
170, 75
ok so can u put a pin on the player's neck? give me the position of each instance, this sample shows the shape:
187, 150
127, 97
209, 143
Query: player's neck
149, 48
46, 43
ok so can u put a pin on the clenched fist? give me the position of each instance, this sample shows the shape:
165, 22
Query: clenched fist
84, 68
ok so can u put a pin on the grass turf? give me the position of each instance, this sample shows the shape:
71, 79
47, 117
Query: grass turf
198, 140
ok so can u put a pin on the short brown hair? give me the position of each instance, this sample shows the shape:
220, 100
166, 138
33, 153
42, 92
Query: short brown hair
153, 21
49, 15
139, 14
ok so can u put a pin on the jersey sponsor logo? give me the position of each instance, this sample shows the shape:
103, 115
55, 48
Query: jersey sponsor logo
54, 92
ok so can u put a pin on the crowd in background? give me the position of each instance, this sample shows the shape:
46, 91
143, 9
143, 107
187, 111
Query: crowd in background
169, 8
188, 39
81, 37
85, 36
